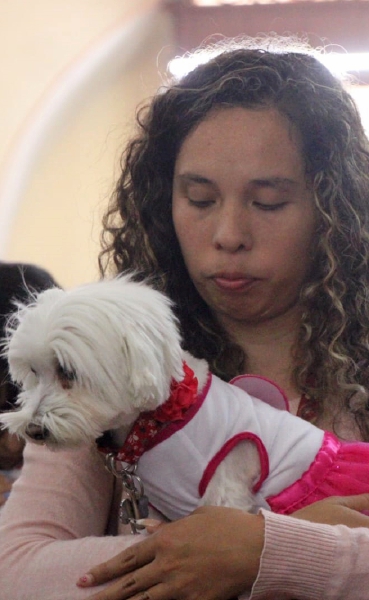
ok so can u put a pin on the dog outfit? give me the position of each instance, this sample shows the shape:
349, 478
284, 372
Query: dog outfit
300, 463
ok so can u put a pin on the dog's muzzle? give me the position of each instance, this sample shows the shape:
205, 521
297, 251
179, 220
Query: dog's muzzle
37, 433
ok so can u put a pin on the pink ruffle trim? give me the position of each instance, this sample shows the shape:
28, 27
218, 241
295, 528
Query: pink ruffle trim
339, 469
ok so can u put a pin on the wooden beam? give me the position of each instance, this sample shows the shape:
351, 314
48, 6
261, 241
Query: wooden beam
345, 23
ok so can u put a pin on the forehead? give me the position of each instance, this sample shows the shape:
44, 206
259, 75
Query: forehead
259, 142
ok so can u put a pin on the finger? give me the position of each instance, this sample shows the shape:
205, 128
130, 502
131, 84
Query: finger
359, 502
129, 560
133, 584
351, 511
151, 525
115, 592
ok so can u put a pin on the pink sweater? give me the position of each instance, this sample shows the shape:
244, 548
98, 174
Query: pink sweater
53, 527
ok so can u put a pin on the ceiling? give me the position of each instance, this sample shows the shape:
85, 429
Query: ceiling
240, 2
340, 22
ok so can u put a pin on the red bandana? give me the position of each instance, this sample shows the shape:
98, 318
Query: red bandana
182, 395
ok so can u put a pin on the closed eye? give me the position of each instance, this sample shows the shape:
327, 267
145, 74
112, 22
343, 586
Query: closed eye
200, 203
270, 207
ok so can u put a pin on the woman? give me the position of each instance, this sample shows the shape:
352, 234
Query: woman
244, 196
16, 281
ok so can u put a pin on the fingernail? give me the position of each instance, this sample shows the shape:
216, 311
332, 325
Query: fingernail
147, 522
86, 580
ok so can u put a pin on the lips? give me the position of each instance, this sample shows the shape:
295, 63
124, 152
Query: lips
236, 281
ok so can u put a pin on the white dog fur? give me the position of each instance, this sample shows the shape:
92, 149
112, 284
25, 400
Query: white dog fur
93, 358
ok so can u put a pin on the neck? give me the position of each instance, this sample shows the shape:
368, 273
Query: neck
268, 347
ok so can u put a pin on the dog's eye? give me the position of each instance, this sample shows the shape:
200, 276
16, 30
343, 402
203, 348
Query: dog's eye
66, 377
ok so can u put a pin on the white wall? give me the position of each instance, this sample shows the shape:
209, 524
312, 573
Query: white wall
75, 72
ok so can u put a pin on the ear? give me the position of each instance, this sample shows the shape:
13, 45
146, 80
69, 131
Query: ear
152, 365
147, 390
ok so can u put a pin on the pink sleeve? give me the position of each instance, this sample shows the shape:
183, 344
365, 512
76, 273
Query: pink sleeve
312, 561
52, 526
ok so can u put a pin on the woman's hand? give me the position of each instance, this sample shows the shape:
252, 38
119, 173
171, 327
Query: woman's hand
213, 553
5, 487
338, 510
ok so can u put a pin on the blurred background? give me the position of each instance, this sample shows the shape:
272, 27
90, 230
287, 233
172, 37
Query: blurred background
72, 75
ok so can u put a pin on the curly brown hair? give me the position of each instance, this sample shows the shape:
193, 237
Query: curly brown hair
332, 353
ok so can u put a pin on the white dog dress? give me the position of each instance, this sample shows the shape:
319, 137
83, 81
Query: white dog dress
300, 463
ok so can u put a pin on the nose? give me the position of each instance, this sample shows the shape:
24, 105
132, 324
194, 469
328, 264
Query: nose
37, 433
232, 232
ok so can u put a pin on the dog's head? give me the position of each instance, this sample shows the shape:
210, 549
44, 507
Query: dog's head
90, 359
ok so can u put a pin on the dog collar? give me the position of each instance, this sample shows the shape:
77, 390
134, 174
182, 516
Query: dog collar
183, 394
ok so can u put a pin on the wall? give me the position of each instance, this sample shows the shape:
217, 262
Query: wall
74, 74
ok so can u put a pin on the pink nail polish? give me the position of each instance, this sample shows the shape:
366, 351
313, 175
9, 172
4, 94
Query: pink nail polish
85, 580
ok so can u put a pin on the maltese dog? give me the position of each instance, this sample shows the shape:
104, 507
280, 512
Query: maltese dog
107, 357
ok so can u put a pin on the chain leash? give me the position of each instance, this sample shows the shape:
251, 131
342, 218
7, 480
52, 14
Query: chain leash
135, 504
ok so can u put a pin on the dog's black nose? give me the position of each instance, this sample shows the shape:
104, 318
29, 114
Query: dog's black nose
37, 433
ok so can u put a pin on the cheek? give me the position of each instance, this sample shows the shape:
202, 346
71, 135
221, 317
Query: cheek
194, 254
296, 257
181, 219
193, 228
12, 443
298, 236
187, 233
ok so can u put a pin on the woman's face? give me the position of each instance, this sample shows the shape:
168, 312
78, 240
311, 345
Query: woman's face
11, 446
243, 213
11, 451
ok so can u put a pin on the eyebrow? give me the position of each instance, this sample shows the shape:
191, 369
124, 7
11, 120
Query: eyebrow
272, 182
194, 178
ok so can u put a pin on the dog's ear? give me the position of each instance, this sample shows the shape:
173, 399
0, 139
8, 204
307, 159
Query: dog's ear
145, 387
152, 363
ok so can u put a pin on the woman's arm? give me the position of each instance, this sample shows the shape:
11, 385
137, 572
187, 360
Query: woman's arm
58, 509
52, 526
215, 553
311, 559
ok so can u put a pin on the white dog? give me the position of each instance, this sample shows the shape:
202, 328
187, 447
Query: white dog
108, 356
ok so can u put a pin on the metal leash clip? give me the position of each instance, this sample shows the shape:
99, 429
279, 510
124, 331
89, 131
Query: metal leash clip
135, 504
